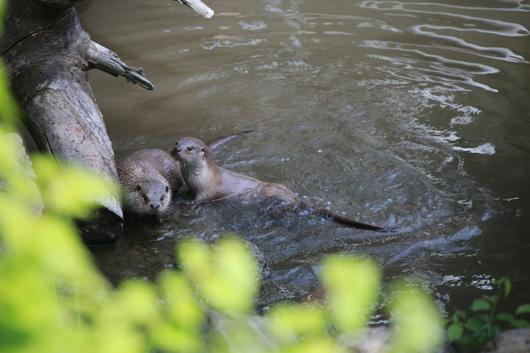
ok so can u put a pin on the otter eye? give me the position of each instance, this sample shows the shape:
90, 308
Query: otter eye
189, 149
162, 198
138, 188
167, 188
146, 199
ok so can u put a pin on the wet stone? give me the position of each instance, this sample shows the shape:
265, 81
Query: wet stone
511, 341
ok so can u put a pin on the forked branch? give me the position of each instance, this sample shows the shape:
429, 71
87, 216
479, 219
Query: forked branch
106, 60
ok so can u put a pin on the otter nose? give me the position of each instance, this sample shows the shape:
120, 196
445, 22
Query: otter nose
155, 206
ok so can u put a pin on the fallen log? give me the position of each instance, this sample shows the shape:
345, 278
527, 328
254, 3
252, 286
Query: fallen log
47, 54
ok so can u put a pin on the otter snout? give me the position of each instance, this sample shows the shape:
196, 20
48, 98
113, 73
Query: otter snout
154, 206
175, 152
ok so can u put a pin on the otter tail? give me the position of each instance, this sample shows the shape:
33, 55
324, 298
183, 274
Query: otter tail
218, 142
348, 221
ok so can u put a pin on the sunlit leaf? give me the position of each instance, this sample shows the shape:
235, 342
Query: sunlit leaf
289, 322
71, 191
172, 338
16, 173
316, 345
27, 303
16, 226
2, 14
242, 335
416, 320
480, 305
138, 301
182, 305
352, 285
119, 338
225, 275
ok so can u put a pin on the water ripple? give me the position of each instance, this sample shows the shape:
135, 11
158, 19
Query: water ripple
469, 25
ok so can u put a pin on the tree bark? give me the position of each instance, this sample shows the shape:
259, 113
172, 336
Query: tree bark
47, 53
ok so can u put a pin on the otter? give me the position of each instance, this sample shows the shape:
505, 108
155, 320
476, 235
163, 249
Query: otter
209, 182
151, 178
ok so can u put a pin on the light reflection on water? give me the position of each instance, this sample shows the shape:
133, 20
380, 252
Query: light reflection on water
406, 114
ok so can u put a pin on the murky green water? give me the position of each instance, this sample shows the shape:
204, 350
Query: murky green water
406, 114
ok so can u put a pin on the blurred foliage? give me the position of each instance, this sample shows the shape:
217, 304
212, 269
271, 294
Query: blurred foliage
8, 109
53, 299
352, 286
482, 323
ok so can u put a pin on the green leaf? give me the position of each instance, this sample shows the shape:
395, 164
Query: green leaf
290, 321
352, 285
416, 320
480, 305
137, 301
459, 315
71, 191
492, 298
520, 324
523, 309
226, 275
2, 13
505, 317
183, 308
176, 339
475, 325
455, 332
505, 284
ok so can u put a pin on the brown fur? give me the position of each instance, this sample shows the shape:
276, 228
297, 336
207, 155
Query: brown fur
209, 182
151, 178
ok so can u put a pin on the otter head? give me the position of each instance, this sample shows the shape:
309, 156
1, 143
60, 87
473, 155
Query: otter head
149, 196
190, 151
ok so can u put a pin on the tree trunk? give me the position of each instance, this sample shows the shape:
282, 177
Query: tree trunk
47, 53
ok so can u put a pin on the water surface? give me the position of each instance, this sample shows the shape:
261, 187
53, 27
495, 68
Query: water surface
413, 115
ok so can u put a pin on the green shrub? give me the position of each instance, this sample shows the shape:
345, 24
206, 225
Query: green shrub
483, 322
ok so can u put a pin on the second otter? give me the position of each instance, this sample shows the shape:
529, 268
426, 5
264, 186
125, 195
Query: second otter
151, 178
209, 182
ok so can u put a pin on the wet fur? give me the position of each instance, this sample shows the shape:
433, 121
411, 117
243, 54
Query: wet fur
209, 182
151, 176
145, 176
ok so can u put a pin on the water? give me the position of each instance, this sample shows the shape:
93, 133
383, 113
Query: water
413, 115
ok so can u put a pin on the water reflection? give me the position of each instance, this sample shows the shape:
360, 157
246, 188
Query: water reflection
441, 77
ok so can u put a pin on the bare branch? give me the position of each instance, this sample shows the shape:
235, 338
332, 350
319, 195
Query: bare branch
104, 59
199, 7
